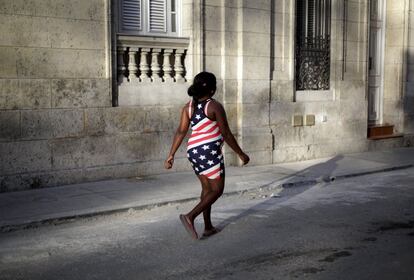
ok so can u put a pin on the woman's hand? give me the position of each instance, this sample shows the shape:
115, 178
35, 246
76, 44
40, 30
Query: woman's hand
244, 158
168, 163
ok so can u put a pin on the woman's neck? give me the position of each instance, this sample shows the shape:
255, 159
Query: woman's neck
204, 98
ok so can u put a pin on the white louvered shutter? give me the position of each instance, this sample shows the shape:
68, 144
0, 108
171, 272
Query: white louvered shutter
157, 16
131, 15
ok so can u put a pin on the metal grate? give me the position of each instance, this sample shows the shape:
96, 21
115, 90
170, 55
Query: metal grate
312, 48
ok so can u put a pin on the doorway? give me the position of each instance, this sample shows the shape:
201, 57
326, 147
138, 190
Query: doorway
376, 62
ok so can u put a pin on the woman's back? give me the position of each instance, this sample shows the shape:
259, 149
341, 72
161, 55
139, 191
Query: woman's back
205, 143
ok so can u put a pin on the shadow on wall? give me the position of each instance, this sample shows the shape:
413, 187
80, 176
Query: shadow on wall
408, 100
292, 185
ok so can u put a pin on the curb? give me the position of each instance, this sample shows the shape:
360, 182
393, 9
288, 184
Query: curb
269, 186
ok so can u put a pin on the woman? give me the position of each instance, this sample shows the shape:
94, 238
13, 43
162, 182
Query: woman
209, 128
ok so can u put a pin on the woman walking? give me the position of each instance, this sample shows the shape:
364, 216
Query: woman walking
208, 122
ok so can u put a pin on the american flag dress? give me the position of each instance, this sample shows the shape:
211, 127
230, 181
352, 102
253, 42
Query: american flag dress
205, 143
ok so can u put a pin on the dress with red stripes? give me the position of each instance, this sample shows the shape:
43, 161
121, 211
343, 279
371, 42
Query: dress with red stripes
205, 143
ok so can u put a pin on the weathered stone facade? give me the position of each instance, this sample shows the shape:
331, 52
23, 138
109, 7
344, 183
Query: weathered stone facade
73, 110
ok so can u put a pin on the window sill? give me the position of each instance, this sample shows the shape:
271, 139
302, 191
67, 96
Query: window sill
314, 95
151, 41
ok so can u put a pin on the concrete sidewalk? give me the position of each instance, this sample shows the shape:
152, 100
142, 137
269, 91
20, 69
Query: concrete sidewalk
34, 207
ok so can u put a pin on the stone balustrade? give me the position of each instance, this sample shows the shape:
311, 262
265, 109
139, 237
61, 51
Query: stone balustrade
151, 60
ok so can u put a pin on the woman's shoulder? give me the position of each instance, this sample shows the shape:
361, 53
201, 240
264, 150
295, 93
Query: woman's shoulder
187, 108
215, 104
187, 104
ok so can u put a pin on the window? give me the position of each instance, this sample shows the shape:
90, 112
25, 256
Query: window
312, 50
149, 17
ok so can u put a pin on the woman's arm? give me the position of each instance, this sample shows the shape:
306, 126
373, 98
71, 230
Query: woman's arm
180, 133
219, 114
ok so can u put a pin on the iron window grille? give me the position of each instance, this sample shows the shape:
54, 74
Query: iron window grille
312, 49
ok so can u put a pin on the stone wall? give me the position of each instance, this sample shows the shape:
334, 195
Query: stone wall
237, 40
57, 123
59, 69
340, 115
394, 60
53, 72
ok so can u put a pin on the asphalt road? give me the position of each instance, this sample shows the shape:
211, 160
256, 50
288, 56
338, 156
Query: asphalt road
357, 228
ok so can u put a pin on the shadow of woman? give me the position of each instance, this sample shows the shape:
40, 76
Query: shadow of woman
292, 185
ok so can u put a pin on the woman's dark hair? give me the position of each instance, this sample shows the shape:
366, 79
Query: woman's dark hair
203, 84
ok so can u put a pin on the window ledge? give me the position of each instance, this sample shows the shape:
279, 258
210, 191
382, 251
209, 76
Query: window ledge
125, 40
314, 95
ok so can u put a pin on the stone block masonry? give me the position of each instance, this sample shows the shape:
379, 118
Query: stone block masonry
52, 57
40, 148
57, 123
58, 126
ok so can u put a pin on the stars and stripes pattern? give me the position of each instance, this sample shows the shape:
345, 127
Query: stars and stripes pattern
205, 142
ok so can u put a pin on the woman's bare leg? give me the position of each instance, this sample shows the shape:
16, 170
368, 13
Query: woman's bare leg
207, 212
210, 196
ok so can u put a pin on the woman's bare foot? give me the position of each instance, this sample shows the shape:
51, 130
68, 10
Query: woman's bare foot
189, 226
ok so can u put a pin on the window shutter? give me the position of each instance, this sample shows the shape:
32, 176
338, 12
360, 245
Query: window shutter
131, 15
157, 16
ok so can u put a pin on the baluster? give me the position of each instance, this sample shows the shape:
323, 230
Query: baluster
178, 66
121, 65
166, 65
143, 66
132, 65
155, 66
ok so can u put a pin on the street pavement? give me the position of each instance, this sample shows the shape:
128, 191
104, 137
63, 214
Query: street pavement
355, 227
55, 205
